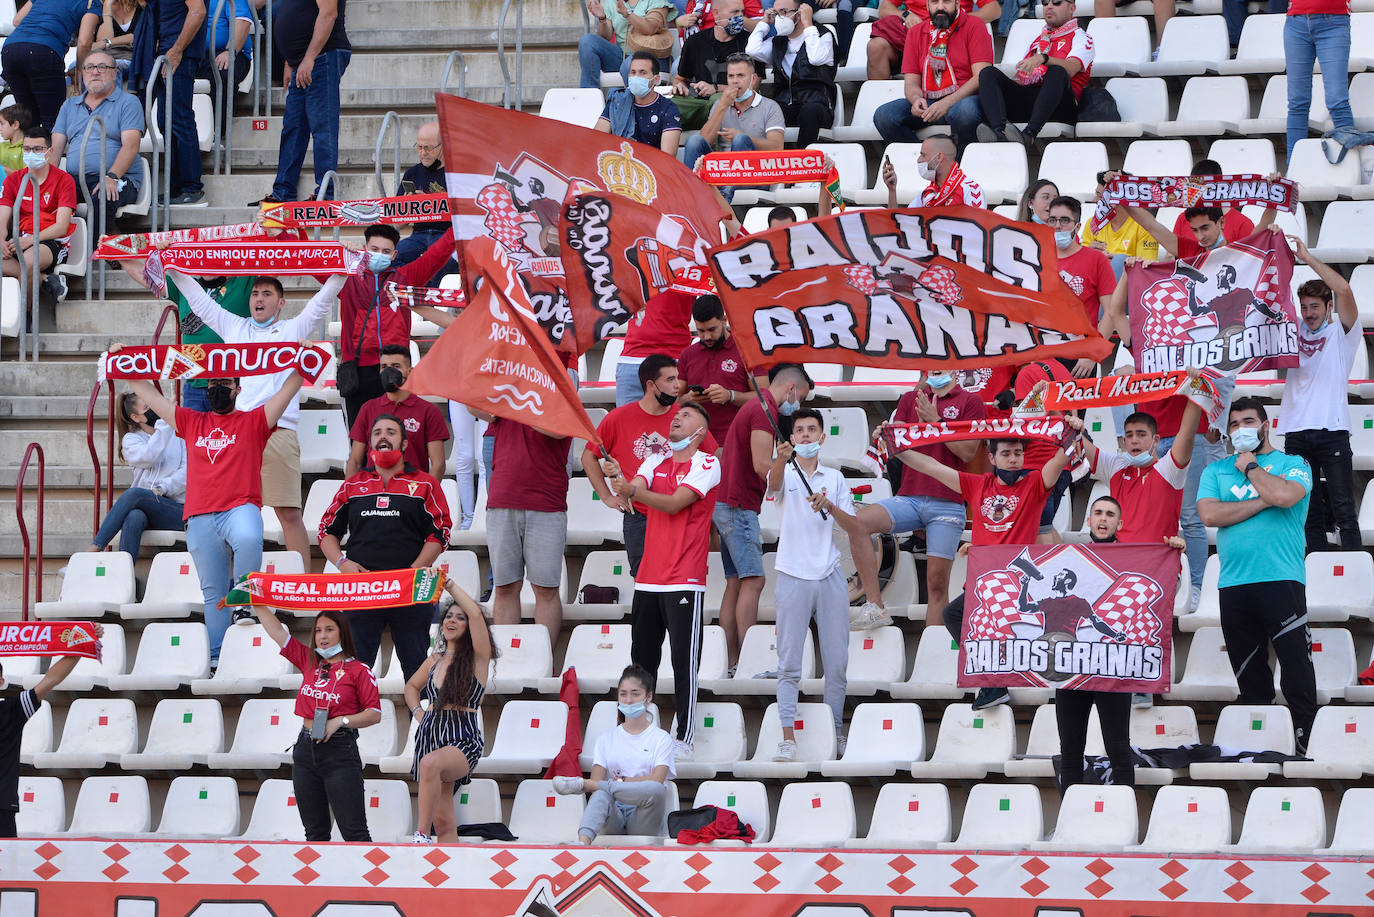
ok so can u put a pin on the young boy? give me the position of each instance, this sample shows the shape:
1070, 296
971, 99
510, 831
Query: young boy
14, 120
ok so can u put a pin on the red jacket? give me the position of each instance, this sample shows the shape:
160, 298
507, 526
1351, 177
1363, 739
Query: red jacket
366, 293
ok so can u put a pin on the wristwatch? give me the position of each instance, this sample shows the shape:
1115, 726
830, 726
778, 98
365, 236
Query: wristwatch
1249, 468
345, 722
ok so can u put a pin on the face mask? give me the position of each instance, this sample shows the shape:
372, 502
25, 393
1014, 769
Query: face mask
677, 445
1009, 477
35, 160
807, 450
384, 458
940, 380
638, 85
1141, 460
150, 417
221, 398
1322, 326
1094, 537
665, 399
788, 408
630, 711
745, 96
378, 262
784, 26
264, 324
1246, 439
734, 25
926, 170
1035, 218
329, 652
1063, 238
391, 379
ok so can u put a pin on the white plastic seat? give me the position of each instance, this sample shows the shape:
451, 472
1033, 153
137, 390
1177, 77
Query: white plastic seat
746, 798
1188, 819
855, 66
183, 733
525, 659
1333, 659
97, 583
461, 567
876, 662
529, 736
42, 806
934, 669
1341, 746
78, 249
324, 389
172, 591
322, 492
90, 673
1283, 819
97, 731
759, 654
275, 817
111, 807
1354, 835
37, 736
999, 169
169, 656
1019, 38
1342, 238
970, 744
712, 665
883, 738
572, 106
851, 162
1320, 179
880, 383
1362, 101
1193, 45
717, 740
401, 764
541, 816
527, 591
814, 815
873, 94
603, 568
1043, 744
601, 721
386, 805
590, 520
1208, 674
908, 815
1142, 103
599, 652
1210, 106
1272, 117
1250, 727
199, 806
1000, 816
815, 736
847, 437
1073, 165
1247, 155
266, 732
1208, 613
378, 741
1158, 157
1162, 727
324, 441
1121, 45
1362, 434
249, 661
909, 182
476, 802
1095, 818
1261, 47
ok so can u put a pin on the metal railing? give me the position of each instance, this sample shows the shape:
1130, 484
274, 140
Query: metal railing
28, 280
267, 66
160, 66
330, 180
388, 120
519, 82
95, 455
462, 74
24, 529
223, 140
94, 226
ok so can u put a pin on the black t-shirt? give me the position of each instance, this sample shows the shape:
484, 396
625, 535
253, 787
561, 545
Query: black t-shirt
14, 713
293, 25
426, 180
703, 58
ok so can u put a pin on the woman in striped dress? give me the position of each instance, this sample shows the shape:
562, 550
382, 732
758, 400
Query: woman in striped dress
448, 742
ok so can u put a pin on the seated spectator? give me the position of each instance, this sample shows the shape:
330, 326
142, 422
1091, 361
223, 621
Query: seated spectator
33, 61
155, 499
1164, 11
14, 120
425, 429
948, 187
1121, 238
425, 177
940, 65
780, 216
1034, 206
888, 38
630, 765
701, 68
1047, 83
638, 112
604, 49
122, 177
228, 37
802, 55
55, 206
742, 119
698, 15
115, 36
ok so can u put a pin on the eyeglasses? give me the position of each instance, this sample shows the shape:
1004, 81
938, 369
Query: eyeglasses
31, 149
426, 147
788, 13
1061, 221
97, 68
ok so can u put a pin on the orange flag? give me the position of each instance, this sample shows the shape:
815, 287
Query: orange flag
495, 357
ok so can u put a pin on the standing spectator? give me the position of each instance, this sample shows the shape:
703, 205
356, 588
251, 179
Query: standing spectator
425, 177
224, 458
1236, 11
327, 772
605, 49
1048, 81
310, 36
395, 516
742, 118
54, 208
228, 38
123, 176
702, 64
746, 457
1257, 499
638, 112
1087, 271
368, 323
1121, 238
425, 429
1163, 10
802, 55
1315, 411
940, 65
711, 370
33, 59
158, 494
115, 36
281, 463
176, 29
1318, 31
922, 503
948, 185
1038, 452
810, 583
677, 492
661, 327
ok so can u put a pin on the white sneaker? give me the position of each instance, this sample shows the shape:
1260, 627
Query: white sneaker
421, 838
567, 786
787, 751
1194, 598
1142, 701
868, 616
682, 751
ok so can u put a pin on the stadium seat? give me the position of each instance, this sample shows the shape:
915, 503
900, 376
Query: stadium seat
324, 389
1208, 674
477, 802
882, 383
971, 744
579, 445
169, 656
934, 668
1208, 613
1354, 835
1340, 585
182, 734
1272, 117
1209, 107
1260, 49
1282, 819
1158, 157
92, 673
1249, 727
1333, 658
814, 815
401, 764
274, 815
815, 732
285, 562
322, 493
378, 741
1073, 166
97, 583
386, 804
599, 652
909, 182
847, 437
1252, 155
324, 441
1121, 46
855, 66
1193, 45
1162, 727
1341, 747
1019, 37
849, 158
96, 732
111, 807
1188, 819
200, 807
873, 94
37, 735
263, 739
999, 169
42, 806
1322, 181
1142, 103
590, 520
463, 569
527, 592
390, 676
249, 661
541, 816
1362, 435
525, 660
1095, 818
717, 740
1362, 101
758, 655
908, 815
746, 798
1343, 238
711, 666
1000, 816
172, 590
476, 534
882, 739
602, 568
1043, 744
876, 662
528, 737
572, 106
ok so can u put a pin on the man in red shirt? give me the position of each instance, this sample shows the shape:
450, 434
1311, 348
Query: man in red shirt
677, 492
660, 328
711, 370
745, 460
56, 205
425, 429
1209, 227
1087, 271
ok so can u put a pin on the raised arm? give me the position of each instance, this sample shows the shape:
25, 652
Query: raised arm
477, 627
154, 399
278, 403
221, 321
1341, 291
931, 466
59, 670
272, 624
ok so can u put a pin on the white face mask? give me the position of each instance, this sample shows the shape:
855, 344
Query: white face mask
1246, 439
807, 450
926, 170
784, 26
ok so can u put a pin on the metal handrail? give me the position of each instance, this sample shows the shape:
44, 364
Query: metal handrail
519, 83
28, 283
330, 180
388, 119
160, 64
98, 229
216, 84
223, 140
462, 74
95, 456
169, 309
24, 529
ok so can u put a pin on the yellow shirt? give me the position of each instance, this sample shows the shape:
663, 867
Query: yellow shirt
1131, 240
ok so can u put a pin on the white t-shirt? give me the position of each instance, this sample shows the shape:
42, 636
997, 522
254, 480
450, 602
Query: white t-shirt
806, 542
624, 755
1314, 394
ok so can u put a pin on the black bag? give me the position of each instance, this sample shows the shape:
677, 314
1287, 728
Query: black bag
1097, 104
346, 376
690, 819
598, 595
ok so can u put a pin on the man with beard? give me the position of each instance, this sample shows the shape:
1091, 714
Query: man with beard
425, 429
710, 370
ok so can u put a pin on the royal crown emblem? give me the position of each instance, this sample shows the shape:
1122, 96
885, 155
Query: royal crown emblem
626, 176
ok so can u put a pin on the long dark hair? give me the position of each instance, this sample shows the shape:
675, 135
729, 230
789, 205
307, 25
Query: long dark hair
126, 423
345, 634
646, 680
453, 690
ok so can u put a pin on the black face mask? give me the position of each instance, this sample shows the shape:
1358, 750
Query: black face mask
391, 379
665, 399
150, 417
1010, 477
221, 398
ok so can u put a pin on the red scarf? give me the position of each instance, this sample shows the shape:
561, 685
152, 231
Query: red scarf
213, 361
399, 294
49, 638
946, 193
1041, 44
938, 80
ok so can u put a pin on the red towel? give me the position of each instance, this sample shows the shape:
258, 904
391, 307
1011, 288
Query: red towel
727, 826
566, 764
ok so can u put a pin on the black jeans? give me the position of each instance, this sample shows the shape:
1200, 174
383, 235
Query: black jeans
8, 828
329, 775
369, 387
677, 614
95, 183
409, 632
1255, 616
37, 77
1071, 710
1333, 486
1003, 99
633, 526
808, 118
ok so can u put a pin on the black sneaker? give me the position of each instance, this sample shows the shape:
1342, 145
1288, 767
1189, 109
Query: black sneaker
991, 697
265, 199
55, 285
244, 617
1013, 134
190, 199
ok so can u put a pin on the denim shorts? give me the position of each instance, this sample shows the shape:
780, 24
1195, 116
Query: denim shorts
942, 520
741, 545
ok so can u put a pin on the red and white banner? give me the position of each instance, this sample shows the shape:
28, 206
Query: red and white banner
407, 208
891, 438
400, 294
137, 245
345, 591
1114, 391
764, 167
1229, 309
250, 258
49, 638
213, 361
1088, 617
1193, 191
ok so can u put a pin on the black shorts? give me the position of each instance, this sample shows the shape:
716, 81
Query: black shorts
58, 247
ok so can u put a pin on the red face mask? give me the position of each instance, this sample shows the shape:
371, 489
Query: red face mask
384, 458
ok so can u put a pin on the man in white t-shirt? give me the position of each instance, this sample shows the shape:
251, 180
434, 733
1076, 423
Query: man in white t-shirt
810, 582
1314, 410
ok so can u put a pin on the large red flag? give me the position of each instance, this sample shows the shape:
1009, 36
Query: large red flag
495, 358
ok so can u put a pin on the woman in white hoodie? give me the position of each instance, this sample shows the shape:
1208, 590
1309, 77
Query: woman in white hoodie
158, 459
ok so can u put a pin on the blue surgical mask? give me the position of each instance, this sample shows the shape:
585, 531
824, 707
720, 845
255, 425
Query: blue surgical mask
329, 652
1035, 218
745, 96
265, 324
1063, 238
677, 445
939, 380
788, 408
807, 450
378, 262
35, 160
630, 711
1246, 439
638, 85
1142, 459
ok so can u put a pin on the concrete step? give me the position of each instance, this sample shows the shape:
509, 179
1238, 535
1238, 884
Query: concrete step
60, 516
233, 191
32, 407
62, 444
72, 476
44, 378
57, 547
12, 586
354, 131
135, 316
389, 35
473, 16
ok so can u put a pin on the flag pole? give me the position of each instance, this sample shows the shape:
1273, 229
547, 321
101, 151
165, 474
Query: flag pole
777, 431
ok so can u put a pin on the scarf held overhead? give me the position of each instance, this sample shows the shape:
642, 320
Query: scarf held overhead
409, 208
49, 638
400, 294
213, 361
342, 591
133, 246
1193, 191
1114, 391
253, 257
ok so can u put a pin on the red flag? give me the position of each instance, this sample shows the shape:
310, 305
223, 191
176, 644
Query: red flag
565, 764
495, 358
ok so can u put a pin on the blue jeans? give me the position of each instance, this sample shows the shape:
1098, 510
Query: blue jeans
133, 513
311, 114
897, 124
741, 544
185, 143
1326, 39
226, 547
1235, 11
195, 399
627, 387
415, 245
596, 55
697, 148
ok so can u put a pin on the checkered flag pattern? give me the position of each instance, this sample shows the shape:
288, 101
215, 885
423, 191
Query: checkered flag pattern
1269, 288
504, 219
1168, 320
997, 609
940, 281
862, 278
1126, 608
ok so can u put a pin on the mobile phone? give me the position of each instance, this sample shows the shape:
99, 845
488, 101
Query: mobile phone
697, 389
